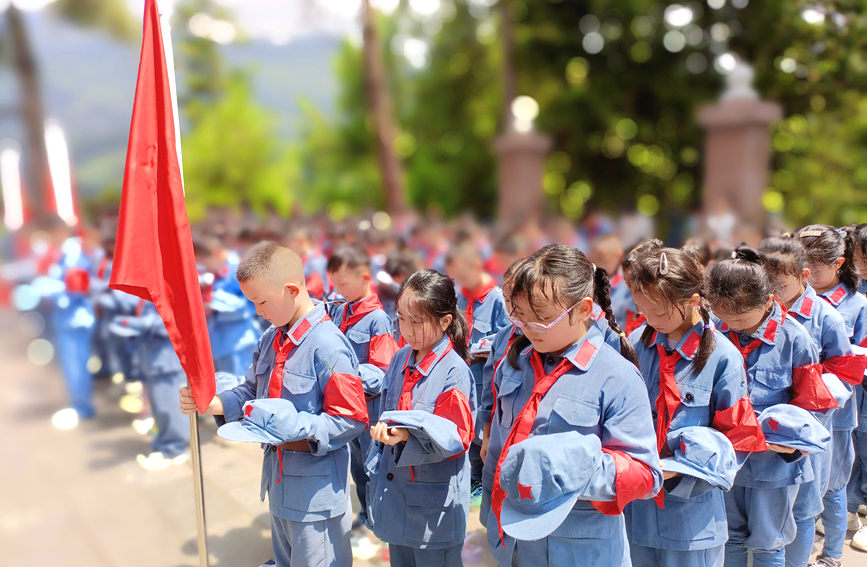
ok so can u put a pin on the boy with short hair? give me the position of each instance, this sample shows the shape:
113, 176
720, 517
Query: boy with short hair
369, 330
301, 358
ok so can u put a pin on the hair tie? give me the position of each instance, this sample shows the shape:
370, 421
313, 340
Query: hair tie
622, 334
734, 254
663, 264
593, 267
840, 232
707, 326
808, 233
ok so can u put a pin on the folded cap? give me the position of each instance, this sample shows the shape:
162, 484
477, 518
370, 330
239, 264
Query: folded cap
427, 427
267, 420
543, 477
791, 426
702, 452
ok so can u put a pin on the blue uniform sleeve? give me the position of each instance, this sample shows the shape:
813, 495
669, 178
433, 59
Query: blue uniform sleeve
234, 399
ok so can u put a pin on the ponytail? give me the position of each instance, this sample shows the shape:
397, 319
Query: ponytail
825, 244
847, 273
458, 331
603, 299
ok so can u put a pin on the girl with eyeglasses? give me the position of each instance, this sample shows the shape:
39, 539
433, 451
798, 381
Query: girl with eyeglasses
560, 377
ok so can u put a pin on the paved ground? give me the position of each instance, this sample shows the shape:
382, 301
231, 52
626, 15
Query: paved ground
77, 498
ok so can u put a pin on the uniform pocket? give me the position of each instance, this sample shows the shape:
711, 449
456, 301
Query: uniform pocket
358, 336
586, 537
431, 512
297, 383
506, 400
571, 414
307, 484
768, 388
691, 520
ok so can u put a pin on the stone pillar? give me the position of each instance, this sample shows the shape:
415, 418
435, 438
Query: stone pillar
737, 148
520, 170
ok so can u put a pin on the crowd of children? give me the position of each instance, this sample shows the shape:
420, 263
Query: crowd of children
650, 406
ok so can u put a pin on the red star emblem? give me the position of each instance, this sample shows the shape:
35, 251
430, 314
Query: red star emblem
248, 409
775, 425
525, 491
682, 447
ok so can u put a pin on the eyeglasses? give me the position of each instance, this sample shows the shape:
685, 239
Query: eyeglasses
539, 328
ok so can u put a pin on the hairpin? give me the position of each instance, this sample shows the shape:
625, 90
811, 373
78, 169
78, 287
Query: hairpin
593, 267
786, 235
808, 233
663, 264
840, 232
734, 254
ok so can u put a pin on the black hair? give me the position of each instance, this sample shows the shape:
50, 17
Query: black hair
783, 256
824, 244
434, 299
403, 262
738, 284
858, 232
564, 275
672, 276
350, 256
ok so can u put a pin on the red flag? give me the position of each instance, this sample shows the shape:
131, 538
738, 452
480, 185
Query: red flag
153, 256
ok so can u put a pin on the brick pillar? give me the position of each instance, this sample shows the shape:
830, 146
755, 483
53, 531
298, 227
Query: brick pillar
520, 170
737, 148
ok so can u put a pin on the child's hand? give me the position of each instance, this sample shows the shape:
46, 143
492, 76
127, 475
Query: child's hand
486, 438
188, 403
669, 474
783, 450
388, 435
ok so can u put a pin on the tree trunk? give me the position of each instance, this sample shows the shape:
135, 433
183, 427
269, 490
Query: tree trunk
507, 44
34, 152
379, 106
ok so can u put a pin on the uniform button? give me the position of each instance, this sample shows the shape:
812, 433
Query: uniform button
389, 476
689, 397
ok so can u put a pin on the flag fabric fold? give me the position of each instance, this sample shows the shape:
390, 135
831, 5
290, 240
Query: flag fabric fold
154, 257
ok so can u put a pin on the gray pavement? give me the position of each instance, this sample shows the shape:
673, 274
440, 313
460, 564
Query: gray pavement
78, 498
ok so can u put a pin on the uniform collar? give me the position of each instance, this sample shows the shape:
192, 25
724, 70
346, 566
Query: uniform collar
688, 345
767, 331
836, 294
429, 361
803, 306
364, 305
616, 279
480, 293
303, 326
582, 353
597, 314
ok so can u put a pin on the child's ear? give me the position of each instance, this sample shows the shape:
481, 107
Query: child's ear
445, 322
839, 263
585, 308
805, 274
293, 288
694, 301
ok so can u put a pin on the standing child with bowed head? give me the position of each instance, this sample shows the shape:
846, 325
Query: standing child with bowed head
309, 366
833, 274
418, 496
364, 322
782, 367
785, 260
694, 378
572, 439
857, 490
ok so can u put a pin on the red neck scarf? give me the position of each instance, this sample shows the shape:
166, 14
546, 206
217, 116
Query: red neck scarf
362, 307
524, 423
669, 396
410, 380
478, 294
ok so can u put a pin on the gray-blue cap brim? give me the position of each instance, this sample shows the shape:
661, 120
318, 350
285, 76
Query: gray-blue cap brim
671, 464
246, 432
530, 527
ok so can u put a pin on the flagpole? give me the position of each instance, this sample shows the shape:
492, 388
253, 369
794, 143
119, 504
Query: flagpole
195, 444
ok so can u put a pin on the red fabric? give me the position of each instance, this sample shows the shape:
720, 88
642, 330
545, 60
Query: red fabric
746, 349
281, 350
344, 397
367, 305
478, 294
454, 406
848, 368
669, 397
77, 280
410, 380
616, 280
103, 267
811, 393
863, 343
315, 285
154, 256
740, 424
523, 423
633, 480
382, 349
634, 320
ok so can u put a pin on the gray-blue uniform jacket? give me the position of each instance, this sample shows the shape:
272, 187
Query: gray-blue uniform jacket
321, 380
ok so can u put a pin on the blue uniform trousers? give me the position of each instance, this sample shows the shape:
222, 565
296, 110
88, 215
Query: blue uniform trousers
760, 520
834, 512
324, 543
173, 427
857, 488
405, 556
651, 557
73, 352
